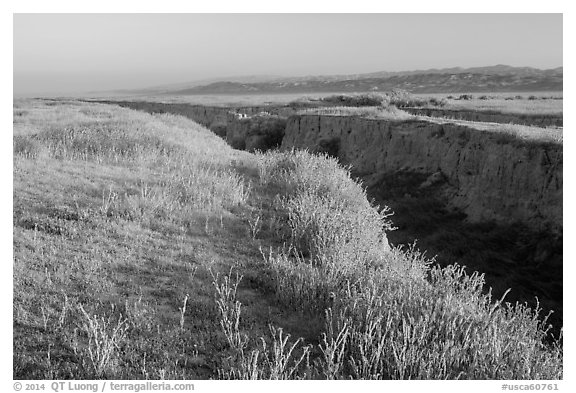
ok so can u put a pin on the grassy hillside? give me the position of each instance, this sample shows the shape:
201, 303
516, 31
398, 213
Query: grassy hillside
146, 247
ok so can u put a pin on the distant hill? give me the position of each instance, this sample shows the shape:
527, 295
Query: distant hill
188, 85
499, 78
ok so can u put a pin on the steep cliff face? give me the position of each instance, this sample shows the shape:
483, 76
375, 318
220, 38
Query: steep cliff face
492, 176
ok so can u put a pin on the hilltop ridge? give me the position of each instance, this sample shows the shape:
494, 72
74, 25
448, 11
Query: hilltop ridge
498, 78
433, 80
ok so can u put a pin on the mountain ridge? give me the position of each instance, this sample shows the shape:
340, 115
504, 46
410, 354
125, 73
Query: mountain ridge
461, 82
496, 78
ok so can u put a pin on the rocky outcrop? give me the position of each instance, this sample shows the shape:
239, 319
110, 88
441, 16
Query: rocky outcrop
494, 176
490, 116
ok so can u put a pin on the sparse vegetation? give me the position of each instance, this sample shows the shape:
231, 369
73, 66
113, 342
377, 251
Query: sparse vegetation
355, 100
398, 98
376, 112
544, 105
403, 99
511, 133
396, 316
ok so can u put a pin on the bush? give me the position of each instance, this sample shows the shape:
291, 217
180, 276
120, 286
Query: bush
302, 104
390, 314
465, 97
372, 112
438, 101
271, 128
403, 99
355, 100
329, 218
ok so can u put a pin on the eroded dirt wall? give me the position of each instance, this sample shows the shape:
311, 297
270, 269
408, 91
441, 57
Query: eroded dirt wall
494, 176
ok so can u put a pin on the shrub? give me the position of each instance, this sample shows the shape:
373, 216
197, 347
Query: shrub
389, 112
302, 104
465, 97
355, 100
281, 360
403, 99
328, 216
438, 101
391, 314
445, 328
105, 337
270, 128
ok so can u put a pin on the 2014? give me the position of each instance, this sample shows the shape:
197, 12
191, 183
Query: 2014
35, 386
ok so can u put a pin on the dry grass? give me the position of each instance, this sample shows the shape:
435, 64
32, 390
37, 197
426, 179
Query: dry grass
509, 133
124, 223
371, 112
185, 169
544, 104
114, 213
393, 315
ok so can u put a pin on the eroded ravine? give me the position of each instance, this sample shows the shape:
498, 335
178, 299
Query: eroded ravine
488, 200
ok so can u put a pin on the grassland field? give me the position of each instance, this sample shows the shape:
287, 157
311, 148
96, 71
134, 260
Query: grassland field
543, 103
145, 247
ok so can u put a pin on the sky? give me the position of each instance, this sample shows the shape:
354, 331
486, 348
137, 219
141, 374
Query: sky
59, 54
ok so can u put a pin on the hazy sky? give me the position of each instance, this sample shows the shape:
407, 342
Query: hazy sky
70, 53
